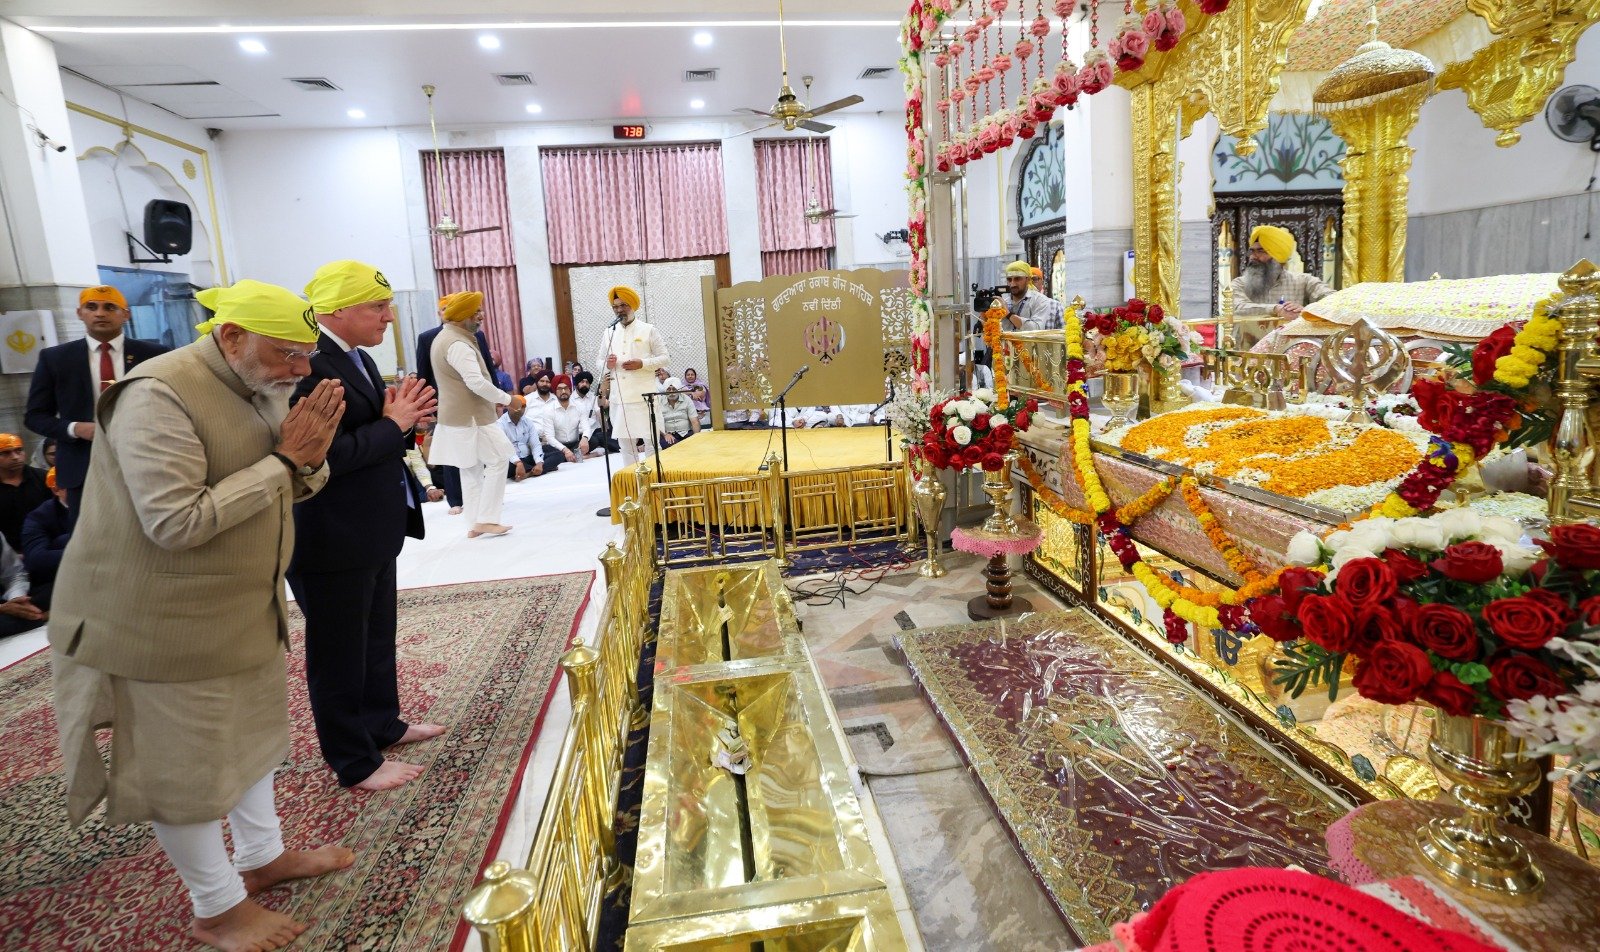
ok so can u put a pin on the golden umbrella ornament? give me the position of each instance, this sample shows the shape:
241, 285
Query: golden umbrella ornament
1374, 73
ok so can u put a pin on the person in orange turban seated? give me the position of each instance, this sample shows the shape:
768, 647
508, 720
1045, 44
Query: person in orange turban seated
1267, 287
468, 435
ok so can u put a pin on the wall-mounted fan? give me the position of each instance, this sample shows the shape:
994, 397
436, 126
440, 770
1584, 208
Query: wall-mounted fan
789, 111
445, 227
1573, 115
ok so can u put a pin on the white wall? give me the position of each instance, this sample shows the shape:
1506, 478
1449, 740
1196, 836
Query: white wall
1195, 176
1458, 166
305, 197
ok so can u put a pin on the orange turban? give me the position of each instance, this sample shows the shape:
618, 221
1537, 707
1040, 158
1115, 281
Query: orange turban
624, 294
518, 401
104, 292
1037, 274
461, 306
9, 441
50, 478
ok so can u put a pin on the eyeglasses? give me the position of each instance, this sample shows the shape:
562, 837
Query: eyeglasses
290, 354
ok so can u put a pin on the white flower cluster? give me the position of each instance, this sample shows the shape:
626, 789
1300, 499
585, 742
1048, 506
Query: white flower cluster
958, 413
910, 412
1568, 725
1370, 537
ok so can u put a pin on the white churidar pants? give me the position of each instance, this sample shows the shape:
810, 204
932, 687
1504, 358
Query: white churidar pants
483, 491
197, 850
633, 423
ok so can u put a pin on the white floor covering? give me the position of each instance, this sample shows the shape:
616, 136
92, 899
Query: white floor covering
555, 530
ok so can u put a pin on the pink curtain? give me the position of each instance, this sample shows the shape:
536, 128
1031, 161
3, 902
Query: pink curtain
789, 174
648, 203
502, 317
797, 261
475, 182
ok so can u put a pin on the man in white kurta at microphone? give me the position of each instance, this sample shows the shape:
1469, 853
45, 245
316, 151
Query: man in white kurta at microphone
467, 434
630, 351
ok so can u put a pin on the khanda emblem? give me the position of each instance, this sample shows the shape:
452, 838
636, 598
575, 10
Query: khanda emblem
378, 277
21, 341
310, 317
824, 339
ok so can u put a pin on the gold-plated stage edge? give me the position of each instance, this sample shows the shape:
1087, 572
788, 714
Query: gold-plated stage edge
749, 616
1572, 446
553, 902
858, 922
1483, 766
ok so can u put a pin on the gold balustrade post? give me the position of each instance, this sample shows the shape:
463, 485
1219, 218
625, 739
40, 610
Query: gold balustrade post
582, 665
775, 502
1572, 445
654, 511
503, 908
611, 563
629, 620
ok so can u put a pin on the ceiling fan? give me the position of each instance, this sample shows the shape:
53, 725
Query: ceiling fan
789, 111
815, 213
445, 228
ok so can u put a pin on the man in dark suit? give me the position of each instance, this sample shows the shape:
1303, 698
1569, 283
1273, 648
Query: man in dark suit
70, 377
449, 476
348, 535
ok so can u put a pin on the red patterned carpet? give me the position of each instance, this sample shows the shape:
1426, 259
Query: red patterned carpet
480, 658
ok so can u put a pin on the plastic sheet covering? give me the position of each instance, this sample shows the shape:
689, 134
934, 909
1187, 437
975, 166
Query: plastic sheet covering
1115, 778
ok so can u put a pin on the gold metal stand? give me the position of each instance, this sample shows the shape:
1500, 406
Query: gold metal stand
928, 496
1572, 446
1483, 766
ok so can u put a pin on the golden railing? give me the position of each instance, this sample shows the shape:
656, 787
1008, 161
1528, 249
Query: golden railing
1573, 490
776, 512
553, 902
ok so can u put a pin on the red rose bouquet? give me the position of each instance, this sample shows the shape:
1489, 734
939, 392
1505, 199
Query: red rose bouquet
1452, 610
973, 429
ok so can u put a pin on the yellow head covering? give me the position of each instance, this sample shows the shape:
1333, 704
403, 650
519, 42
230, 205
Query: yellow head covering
461, 306
1019, 269
104, 292
344, 284
1275, 241
10, 441
626, 294
265, 309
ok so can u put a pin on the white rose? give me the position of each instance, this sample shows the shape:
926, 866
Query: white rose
1458, 524
1336, 539
1517, 558
1499, 528
1349, 552
966, 411
1305, 549
962, 435
1415, 533
1375, 534
984, 394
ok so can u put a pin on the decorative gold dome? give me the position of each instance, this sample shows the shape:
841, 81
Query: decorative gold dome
1374, 73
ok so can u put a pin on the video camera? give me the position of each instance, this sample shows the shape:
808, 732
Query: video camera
983, 297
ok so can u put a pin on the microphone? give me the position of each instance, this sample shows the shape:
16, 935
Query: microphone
792, 381
615, 321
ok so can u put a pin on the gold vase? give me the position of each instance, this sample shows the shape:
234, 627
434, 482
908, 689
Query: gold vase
997, 486
1120, 396
1482, 766
1165, 394
928, 498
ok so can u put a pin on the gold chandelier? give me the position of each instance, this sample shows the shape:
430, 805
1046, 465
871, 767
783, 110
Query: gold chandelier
1374, 73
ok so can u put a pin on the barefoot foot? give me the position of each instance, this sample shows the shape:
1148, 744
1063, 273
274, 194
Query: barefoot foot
247, 927
390, 774
455, 510
419, 732
487, 529
297, 864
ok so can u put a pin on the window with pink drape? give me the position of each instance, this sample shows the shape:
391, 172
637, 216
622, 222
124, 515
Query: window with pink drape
649, 203
791, 173
474, 183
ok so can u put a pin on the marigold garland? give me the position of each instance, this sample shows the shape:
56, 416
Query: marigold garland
1132, 512
991, 337
1533, 343
1241, 564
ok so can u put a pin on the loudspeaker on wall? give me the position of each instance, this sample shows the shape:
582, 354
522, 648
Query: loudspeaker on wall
168, 227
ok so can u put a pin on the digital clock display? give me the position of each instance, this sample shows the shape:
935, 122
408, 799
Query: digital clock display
627, 132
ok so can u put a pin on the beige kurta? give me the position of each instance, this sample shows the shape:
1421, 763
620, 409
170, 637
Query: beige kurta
168, 623
1292, 288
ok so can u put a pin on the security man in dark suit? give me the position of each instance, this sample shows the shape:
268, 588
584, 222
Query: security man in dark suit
450, 476
348, 535
70, 377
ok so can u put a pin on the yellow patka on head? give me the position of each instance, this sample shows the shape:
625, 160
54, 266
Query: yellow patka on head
461, 306
265, 309
1275, 241
340, 284
1019, 269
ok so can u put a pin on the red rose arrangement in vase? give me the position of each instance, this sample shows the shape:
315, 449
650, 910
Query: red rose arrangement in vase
974, 429
1452, 610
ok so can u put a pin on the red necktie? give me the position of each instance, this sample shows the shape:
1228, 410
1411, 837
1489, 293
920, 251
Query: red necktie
108, 375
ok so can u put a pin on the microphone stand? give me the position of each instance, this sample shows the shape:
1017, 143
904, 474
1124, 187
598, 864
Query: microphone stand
888, 438
655, 434
783, 421
605, 416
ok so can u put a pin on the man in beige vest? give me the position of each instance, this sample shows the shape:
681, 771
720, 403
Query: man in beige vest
468, 434
169, 620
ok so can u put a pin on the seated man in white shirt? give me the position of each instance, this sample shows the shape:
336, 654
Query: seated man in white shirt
858, 414
676, 418
570, 422
530, 452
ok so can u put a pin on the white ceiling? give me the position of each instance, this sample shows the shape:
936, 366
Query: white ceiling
584, 68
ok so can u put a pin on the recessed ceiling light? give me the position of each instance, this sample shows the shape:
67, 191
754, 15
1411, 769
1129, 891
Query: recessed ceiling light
535, 108
702, 38
252, 46
489, 41
356, 113
697, 104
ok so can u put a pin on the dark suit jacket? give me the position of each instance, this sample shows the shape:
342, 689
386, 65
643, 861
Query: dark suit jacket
425, 355
360, 519
45, 534
62, 392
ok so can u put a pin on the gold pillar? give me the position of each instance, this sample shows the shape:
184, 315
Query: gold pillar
1155, 195
1376, 161
1572, 444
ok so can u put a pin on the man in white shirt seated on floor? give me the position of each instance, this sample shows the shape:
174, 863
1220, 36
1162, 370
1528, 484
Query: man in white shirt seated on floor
803, 418
860, 414
530, 455
570, 422
676, 419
